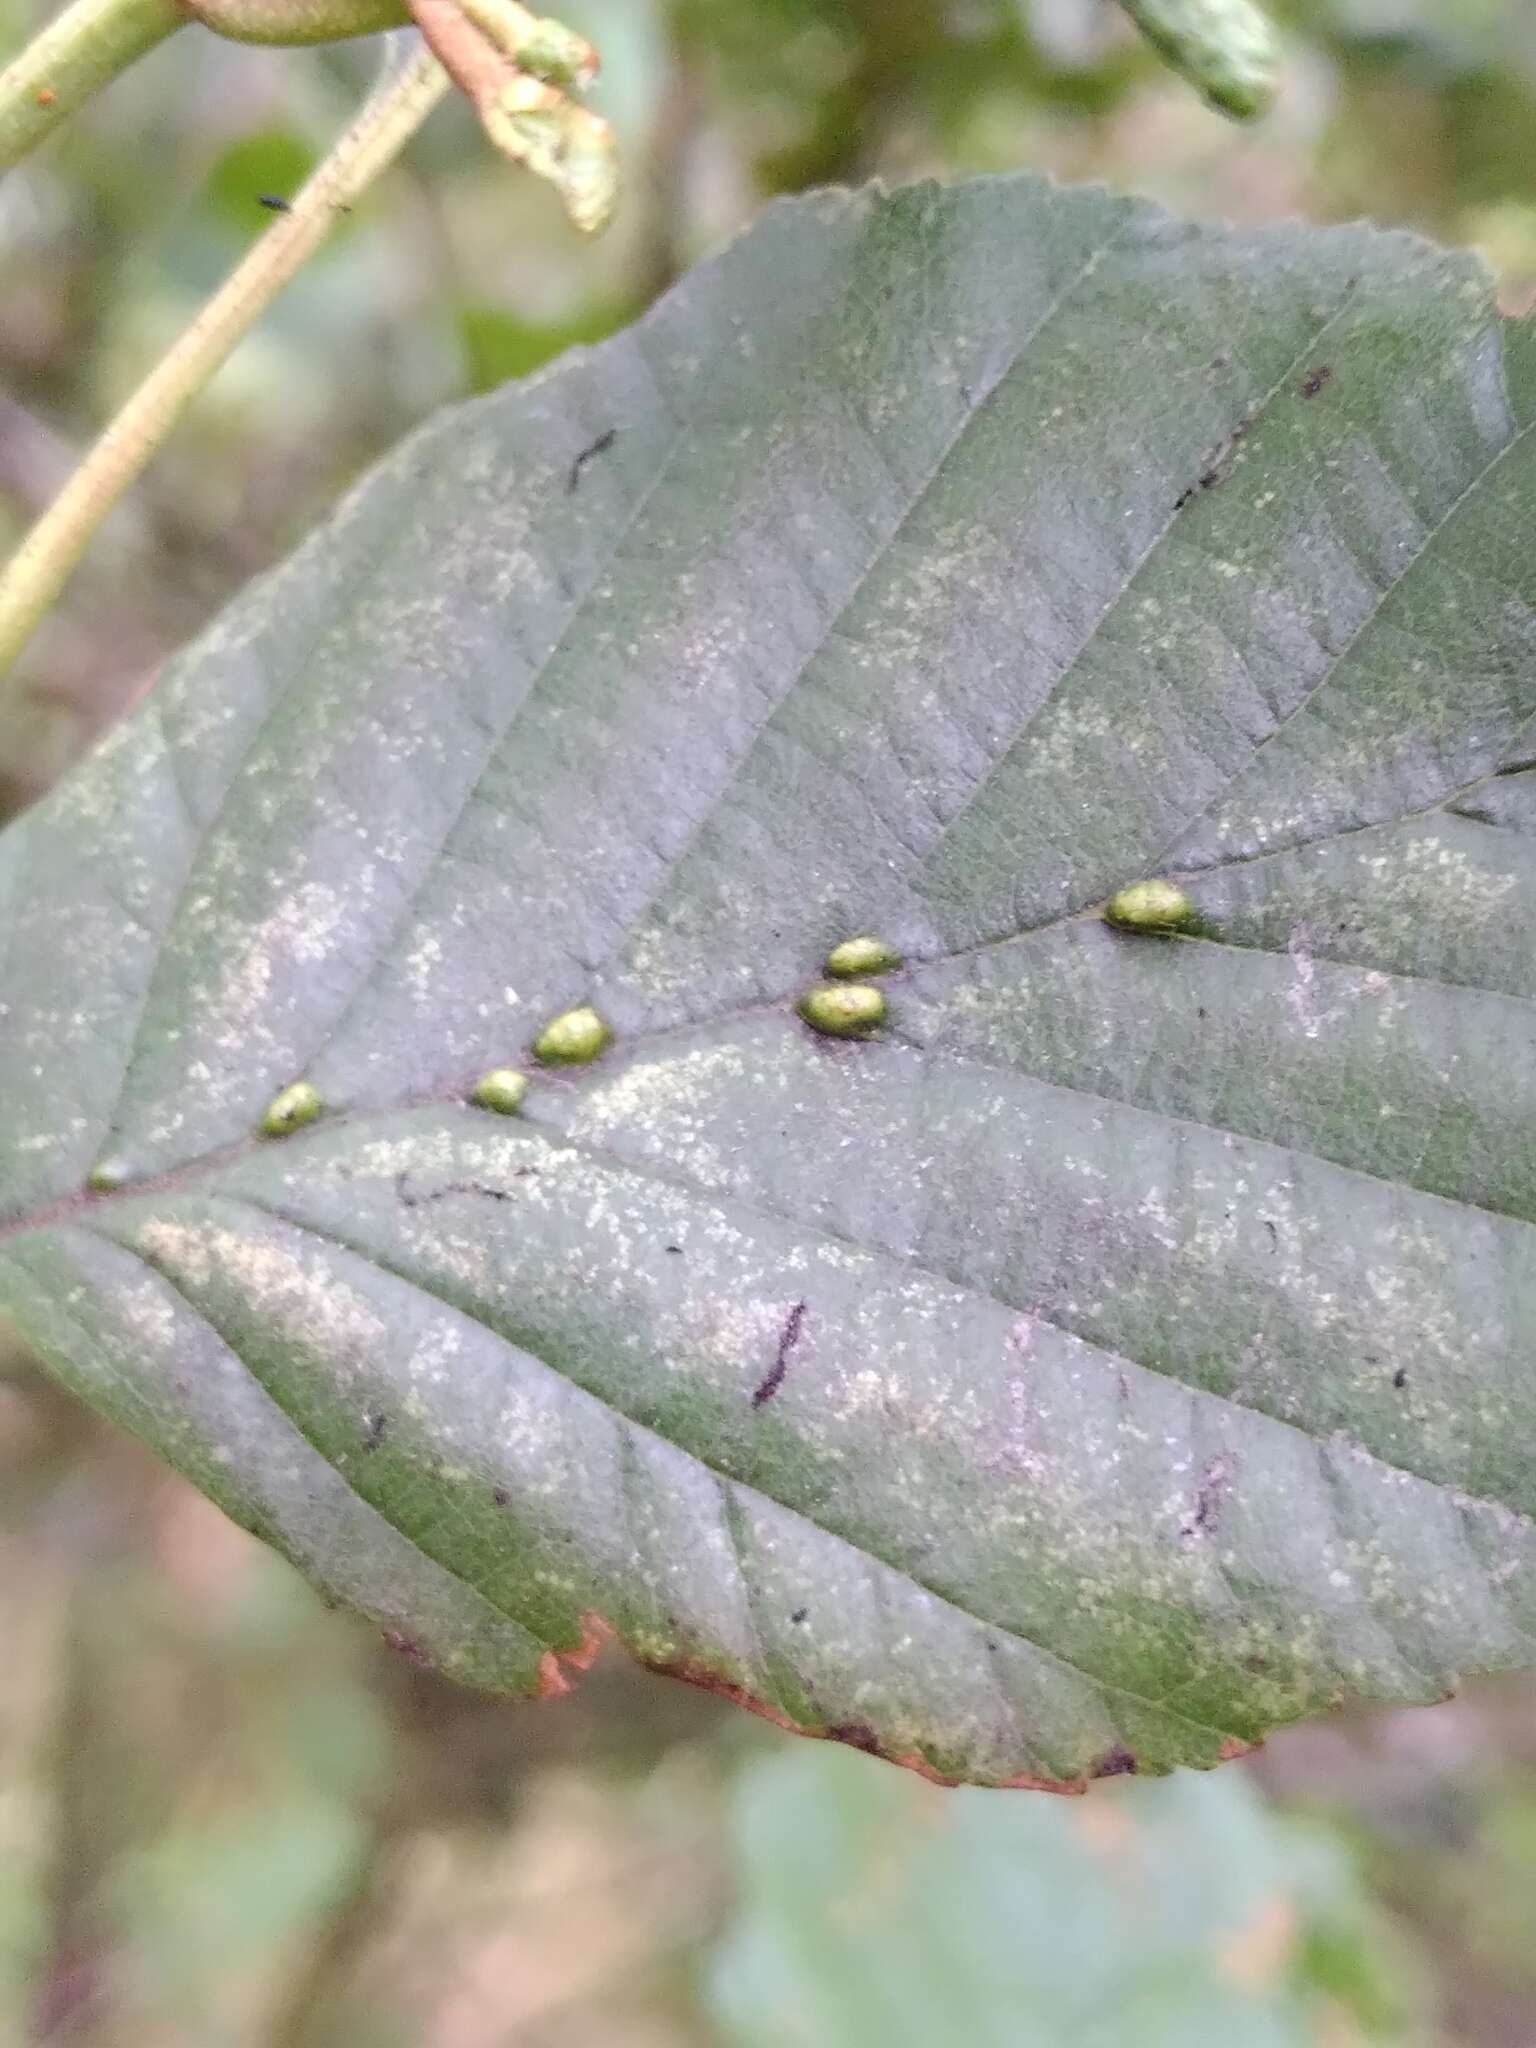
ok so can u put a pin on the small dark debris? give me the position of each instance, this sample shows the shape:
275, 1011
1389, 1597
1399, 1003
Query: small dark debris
501, 1497
674, 1251
857, 1735
789, 1337
413, 1198
1219, 468
1115, 1763
273, 202
1316, 380
799, 1615
1400, 1378
1215, 1484
404, 1646
1274, 1235
589, 454
375, 1432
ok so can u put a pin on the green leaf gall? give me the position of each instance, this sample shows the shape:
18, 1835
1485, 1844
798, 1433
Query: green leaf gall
572, 1039
503, 1089
1151, 906
107, 1175
855, 958
843, 1009
290, 1109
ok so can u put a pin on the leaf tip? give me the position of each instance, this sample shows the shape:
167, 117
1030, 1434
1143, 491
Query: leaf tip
1226, 49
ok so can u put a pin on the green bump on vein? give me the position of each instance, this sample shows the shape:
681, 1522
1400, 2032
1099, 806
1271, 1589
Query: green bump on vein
843, 1009
1151, 906
503, 1089
572, 1039
290, 1109
108, 1174
855, 958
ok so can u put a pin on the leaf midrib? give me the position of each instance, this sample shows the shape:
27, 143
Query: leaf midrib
188, 1172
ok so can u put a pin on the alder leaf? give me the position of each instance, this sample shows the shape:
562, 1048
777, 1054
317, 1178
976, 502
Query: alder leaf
1123, 1348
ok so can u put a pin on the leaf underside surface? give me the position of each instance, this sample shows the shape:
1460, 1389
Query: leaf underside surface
1128, 1347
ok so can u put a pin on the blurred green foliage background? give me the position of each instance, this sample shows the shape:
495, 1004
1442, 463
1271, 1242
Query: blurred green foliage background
229, 1819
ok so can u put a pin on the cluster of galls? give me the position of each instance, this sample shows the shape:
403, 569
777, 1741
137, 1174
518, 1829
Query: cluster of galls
848, 1004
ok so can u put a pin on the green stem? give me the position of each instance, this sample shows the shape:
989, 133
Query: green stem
42, 565
88, 45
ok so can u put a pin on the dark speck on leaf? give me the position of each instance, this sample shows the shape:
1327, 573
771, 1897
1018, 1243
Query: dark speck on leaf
500, 1495
799, 1615
404, 1646
857, 1735
1220, 467
375, 1432
273, 203
1115, 1763
590, 454
675, 1251
1400, 1378
1316, 380
789, 1337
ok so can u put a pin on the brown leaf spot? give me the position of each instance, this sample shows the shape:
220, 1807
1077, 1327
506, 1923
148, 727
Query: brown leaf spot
853, 1732
556, 1662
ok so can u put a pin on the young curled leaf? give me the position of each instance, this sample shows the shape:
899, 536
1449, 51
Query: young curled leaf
559, 141
517, 71
544, 48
